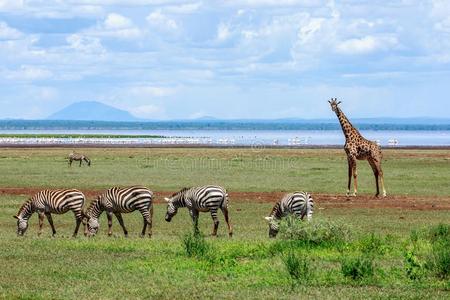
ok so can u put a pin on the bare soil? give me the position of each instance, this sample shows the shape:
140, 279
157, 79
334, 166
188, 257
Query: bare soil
322, 201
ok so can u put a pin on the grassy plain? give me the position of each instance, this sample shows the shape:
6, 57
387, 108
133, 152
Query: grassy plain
247, 266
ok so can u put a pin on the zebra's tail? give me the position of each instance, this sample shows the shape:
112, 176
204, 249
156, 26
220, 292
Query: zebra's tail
309, 206
225, 200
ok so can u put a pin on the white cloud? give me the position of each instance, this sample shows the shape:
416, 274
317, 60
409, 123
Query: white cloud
262, 3
187, 8
115, 26
9, 33
85, 44
116, 21
27, 73
10, 5
366, 45
161, 21
223, 32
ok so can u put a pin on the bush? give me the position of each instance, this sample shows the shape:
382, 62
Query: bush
297, 266
439, 260
358, 267
314, 232
373, 244
195, 245
414, 267
440, 233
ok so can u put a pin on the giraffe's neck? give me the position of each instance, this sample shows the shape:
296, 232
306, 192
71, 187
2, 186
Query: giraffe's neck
346, 126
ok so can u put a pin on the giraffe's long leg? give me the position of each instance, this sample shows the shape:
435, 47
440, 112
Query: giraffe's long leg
374, 166
382, 181
349, 176
355, 179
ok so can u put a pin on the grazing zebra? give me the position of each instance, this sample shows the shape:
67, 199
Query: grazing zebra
299, 204
200, 199
47, 202
78, 157
121, 200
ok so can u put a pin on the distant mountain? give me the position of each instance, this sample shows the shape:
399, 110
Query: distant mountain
92, 111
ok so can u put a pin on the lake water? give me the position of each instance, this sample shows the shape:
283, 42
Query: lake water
249, 137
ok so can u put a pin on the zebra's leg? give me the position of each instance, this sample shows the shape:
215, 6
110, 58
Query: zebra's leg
109, 216
119, 218
215, 220
150, 221
81, 162
194, 215
77, 226
41, 222
225, 215
50, 221
147, 221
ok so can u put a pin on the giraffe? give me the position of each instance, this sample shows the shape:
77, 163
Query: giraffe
358, 148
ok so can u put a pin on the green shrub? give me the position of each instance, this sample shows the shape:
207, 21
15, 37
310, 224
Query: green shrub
298, 266
358, 267
316, 232
373, 244
195, 245
440, 233
439, 260
414, 267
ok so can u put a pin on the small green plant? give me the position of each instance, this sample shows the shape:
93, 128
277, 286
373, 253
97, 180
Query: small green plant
414, 267
298, 266
358, 267
439, 260
316, 232
195, 245
373, 244
440, 233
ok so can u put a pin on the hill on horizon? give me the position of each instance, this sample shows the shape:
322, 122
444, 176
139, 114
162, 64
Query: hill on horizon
92, 111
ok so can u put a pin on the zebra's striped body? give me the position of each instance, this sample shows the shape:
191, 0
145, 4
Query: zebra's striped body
121, 200
299, 204
200, 199
49, 202
78, 157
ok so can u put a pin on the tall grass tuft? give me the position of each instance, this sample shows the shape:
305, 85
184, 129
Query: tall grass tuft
373, 244
195, 245
298, 266
357, 267
316, 232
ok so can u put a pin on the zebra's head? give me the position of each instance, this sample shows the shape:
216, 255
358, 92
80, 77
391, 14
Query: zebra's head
274, 226
171, 209
92, 226
22, 225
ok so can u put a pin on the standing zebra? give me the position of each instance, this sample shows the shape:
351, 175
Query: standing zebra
78, 157
47, 202
299, 204
121, 200
200, 199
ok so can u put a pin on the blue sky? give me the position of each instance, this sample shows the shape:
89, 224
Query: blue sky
163, 59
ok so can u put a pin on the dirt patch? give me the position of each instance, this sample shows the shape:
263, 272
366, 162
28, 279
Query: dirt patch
323, 201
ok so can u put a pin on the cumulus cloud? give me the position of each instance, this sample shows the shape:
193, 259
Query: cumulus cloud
85, 44
9, 33
145, 91
115, 26
366, 45
27, 73
161, 21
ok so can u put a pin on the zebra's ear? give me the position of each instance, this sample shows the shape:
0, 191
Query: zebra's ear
167, 199
269, 219
15, 217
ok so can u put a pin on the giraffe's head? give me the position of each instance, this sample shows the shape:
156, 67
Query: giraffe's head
334, 104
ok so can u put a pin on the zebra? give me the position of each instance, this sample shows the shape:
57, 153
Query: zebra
200, 199
47, 202
78, 157
118, 200
300, 204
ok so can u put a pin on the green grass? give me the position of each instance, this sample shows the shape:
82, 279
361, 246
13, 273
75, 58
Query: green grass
250, 265
318, 171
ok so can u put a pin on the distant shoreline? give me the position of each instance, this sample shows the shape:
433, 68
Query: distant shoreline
209, 146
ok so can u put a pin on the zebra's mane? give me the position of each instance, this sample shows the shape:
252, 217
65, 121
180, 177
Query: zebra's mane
24, 206
276, 210
91, 205
181, 192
